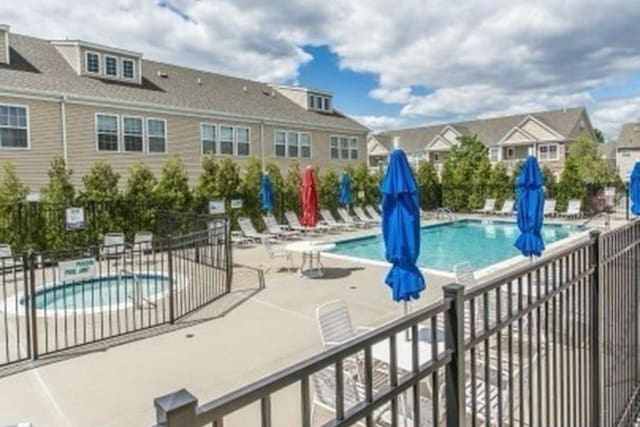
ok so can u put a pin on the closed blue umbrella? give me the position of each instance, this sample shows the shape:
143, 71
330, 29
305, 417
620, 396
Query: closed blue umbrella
345, 189
266, 193
634, 189
401, 228
530, 208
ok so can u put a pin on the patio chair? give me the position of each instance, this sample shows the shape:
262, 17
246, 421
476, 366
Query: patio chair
274, 228
294, 224
373, 213
273, 253
362, 216
249, 231
112, 245
489, 207
464, 274
143, 241
331, 222
550, 207
507, 208
348, 219
334, 322
573, 209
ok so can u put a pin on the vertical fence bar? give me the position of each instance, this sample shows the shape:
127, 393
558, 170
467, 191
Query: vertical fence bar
172, 294
455, 375
32, 306
596, 332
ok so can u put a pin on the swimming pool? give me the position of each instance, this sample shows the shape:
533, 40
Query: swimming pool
109, 292
480, 242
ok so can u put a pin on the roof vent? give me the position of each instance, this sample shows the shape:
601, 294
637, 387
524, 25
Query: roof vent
199, 80
162, 74
244, 89
273, 93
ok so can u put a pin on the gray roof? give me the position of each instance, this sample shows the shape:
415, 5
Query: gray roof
489, 131
629, 136
36, 65
609, 149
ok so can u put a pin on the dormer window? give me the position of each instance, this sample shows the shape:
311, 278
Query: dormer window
319, 102
111, 66
93, 63
312, 102
128, 69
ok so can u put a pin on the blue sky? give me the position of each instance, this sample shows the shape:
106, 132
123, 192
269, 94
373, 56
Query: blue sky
418, 62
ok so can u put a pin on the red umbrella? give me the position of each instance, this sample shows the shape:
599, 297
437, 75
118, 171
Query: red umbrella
309, 198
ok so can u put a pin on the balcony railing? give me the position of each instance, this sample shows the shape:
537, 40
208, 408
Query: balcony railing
554, 343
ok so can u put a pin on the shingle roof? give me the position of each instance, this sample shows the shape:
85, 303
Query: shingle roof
489, 131
36, 65
629, 136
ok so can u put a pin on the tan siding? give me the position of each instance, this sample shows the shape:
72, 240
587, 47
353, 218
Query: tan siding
70, 54
4, 39
625, 159
46, 141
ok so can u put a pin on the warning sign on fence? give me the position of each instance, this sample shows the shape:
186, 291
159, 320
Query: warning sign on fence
75, 218
77, 270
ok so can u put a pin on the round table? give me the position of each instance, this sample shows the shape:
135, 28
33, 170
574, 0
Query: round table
309, 251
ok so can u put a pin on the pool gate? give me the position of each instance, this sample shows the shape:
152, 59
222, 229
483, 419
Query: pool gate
52, 301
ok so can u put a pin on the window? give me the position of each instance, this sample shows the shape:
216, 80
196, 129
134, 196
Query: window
243, 143
208, 135
226, 140
435, 157
132, 134
157, 135
280, 143
353, 143
335, 154
494, 154
344, 147
312, 101
111, 66
128, 69
292, 144
14, 127
510, 153
625, 153
305, 145
93, 63
327, 104
107, 132
548, 152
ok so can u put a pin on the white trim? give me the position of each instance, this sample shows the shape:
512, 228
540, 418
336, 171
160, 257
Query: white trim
550, 144
514, 130
215, 140
233, 139
286, 144
117, 74
124, 145
133, 68
95, 46
349, 138
95, 131
86, 63
5, 29
275, 133
539, 122
445, 129
28, 128
438, 138
235, 147
166, 136
499, 156
63, 125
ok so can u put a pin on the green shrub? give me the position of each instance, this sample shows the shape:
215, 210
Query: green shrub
466, 174
206, 188
329, 191
58, 194
500, 184
429, 188
13, 215
250, 191
138, 198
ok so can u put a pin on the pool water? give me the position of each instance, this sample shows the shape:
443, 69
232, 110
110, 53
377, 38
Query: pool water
100, 292
480, 243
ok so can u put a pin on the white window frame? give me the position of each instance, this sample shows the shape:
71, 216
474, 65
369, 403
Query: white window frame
118, 136
436, 157
215, 140
86, 62
123, 134
133, 68
353, 139
548, 158
312, 101
300, 145
219, 139
297, 145
148, 135
28, 128
236, 144
337, 147
117, 74
275, 145
511, 153
495, 150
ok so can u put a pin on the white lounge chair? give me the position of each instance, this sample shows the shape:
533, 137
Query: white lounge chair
489, 207
348, 219
249, 231
294, 224
507, 208
143, 241
113, 245
373, 213
274, 253
330, 221
550, 207
362, 216
464, 274
573, 209
274, 228
334, 322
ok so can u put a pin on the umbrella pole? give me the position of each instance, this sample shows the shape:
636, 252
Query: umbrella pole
405, 312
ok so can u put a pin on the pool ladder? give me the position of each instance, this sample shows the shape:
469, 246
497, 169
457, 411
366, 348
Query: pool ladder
445, 213
605, 215
138, 298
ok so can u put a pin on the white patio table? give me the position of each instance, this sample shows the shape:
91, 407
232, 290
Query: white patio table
380, 351
310, 251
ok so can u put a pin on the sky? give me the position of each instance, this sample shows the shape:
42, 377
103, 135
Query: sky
389, 65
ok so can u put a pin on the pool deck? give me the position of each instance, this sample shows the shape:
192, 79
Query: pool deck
238, 339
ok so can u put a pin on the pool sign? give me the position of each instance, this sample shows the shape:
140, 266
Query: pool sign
75, 218
236, 204
77, 270
216, 207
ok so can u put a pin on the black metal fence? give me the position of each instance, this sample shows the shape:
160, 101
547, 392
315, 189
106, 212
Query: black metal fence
52, 301
554, 343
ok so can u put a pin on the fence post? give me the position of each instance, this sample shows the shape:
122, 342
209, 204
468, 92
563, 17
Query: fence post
455, 375
596, 331
229, 253
32, 305
172, 295
176, 409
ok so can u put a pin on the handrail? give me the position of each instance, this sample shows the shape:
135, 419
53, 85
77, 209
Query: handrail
138, 298
445, 212
605, 215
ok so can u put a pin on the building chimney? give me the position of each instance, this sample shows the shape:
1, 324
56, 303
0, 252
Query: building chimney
396, 142
4, 44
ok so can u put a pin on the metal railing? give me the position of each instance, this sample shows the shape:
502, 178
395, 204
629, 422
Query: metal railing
554, 343
58, 300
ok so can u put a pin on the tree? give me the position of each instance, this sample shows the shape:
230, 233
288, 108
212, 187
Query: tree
172, 189
101, 200
12, 193
12, 189
291, 190
100, 183
365, 185
228, 181
592, 168
329, 191
429, 187
571, 185
600, 138
250, 189
500, 183
206, 188
57, 195
138, 195
550, 183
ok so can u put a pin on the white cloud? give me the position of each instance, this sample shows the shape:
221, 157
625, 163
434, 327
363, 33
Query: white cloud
376, 123
611, 115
